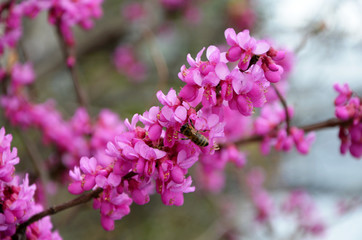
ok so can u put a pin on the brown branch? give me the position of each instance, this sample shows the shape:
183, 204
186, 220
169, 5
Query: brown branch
334, 122
285, 106
20, 231
67, 53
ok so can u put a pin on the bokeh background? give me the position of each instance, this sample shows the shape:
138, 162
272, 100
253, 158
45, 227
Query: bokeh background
327, 40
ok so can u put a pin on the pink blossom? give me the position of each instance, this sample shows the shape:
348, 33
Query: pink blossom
8, 157
41, 229
22, 74
349, 107
261, 199
126, 62
302, 204
133, 11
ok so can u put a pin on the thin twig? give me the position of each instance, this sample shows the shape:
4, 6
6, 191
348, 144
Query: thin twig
34, 154
314, 30
67, 53
158, 59
285, 106
20, 231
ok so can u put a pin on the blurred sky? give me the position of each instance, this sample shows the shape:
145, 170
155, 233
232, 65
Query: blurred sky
333, 55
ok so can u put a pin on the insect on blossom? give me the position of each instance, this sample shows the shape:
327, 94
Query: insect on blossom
191, 133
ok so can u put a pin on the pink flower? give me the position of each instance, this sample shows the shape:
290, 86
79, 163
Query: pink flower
8, 157
349, 108
22, 74
133, 11
260, 197
128, 64
302, 204
113, 206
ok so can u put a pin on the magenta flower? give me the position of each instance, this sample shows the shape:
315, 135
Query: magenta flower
22, 74
349, 107
243, 47
261, 199
126, 62
173, 192
133, 12
299, 202
113, 206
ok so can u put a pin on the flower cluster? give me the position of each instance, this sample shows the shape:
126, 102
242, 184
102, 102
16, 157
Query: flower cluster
134, 11
67, 13
157, 155
10, 20
72, 138
271, 125
210, 170
17, 199
248, 51
186, 8
8, 157
302, 206
241, 14
127, 64
261, 199
349, 108
297, 204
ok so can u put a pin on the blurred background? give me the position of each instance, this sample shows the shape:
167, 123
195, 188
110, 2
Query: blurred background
138, 47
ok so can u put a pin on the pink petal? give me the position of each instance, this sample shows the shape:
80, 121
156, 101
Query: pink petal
177, 174
154, 132
243, 38
114, 179
230, 37
75, 188
213, 54
180, 114
261, 47
189, 92
222, 70
107, 223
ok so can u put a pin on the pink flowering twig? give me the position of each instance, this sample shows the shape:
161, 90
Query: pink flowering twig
53, 210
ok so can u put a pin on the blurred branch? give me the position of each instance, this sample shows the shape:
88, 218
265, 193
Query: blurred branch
67, 54
34, 154
158, 59
285, 106
315, 29
334, 122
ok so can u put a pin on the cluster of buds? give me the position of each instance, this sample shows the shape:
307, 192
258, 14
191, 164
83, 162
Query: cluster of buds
271, 124
349, 108
67, 13
301, 204
17, 199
